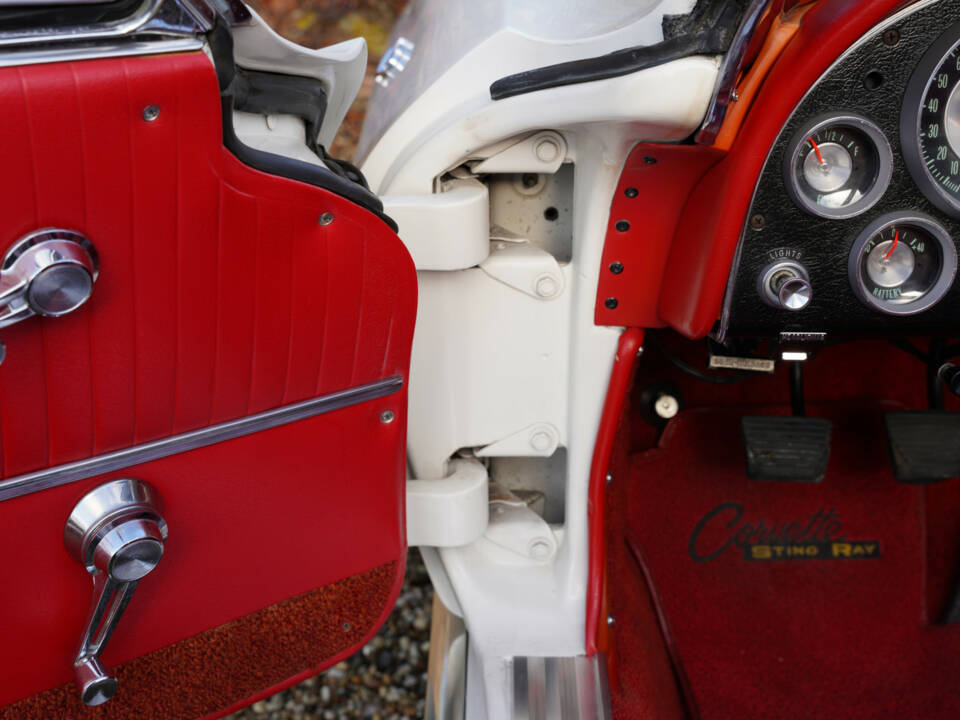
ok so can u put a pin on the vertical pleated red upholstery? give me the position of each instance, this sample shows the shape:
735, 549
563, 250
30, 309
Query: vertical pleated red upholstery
220, 294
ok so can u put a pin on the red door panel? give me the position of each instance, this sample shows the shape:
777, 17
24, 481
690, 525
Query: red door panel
252, 523
219, 296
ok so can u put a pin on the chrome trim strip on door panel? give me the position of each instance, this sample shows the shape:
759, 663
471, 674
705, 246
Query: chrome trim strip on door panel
66, 53
119, 459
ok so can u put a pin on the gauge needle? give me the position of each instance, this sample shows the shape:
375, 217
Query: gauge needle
892, 247
816, 149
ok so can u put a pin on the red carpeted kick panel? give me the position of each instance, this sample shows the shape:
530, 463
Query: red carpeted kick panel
793, 600
230, 663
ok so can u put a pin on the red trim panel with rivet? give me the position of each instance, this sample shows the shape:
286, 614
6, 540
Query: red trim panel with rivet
649, 199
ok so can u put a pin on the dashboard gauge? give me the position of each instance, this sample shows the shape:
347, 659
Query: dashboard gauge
930, 123
838, 166
902, 263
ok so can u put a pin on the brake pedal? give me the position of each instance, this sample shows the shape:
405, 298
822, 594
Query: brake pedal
924, 445
786, 448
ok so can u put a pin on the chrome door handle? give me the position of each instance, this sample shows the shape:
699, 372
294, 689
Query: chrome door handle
117, 533
48, 272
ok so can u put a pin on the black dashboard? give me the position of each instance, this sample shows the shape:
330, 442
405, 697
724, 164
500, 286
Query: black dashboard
854, 226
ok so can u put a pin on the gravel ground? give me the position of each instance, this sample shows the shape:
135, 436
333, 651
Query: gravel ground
387, 680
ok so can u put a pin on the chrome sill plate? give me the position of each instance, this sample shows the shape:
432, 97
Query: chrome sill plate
120, 459
561, 688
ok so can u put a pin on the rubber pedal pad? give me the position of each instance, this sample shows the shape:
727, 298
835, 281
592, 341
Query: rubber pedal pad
786, 448
924, 445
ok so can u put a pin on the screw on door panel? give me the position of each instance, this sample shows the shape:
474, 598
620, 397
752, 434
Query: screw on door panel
387, 416
151, 112
325, 219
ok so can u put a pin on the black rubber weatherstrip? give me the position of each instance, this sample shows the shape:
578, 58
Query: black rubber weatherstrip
266, 93
707, 30
236, 84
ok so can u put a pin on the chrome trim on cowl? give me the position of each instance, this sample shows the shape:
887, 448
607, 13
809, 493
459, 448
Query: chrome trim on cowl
82, 469
118, 28
730, 71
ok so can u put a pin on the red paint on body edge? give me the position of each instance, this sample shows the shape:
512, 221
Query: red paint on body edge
623, 363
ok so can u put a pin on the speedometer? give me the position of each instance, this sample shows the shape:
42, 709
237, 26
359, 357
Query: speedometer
930, 123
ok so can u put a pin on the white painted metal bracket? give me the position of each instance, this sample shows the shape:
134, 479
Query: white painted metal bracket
542, 152
539, 440
514, 526
526, 268
445, 231
449, 512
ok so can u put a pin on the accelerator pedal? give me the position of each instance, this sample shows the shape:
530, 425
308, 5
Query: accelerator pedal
786, 448
924, 445
561, 688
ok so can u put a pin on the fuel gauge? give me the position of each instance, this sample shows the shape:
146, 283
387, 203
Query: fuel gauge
838, 166
902, 263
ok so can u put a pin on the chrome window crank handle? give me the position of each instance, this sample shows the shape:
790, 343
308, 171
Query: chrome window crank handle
48, 272
117, 533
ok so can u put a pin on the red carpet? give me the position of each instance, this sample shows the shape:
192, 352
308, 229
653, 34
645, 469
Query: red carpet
793, 600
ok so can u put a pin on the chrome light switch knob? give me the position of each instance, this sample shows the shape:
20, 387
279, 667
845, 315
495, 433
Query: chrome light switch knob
786, 285
117, 533
49, 272
794, 294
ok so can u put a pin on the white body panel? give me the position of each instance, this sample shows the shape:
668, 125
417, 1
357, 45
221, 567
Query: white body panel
495, 368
